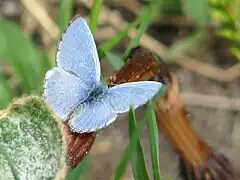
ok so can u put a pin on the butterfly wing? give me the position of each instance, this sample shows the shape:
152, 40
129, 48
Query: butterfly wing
77, 52
63, 91
100, 113
135, 94
89, 117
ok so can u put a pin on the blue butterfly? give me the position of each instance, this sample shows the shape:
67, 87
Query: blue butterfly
74, 91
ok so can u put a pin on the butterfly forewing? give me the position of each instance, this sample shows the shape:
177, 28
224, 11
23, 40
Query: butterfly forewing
77, 52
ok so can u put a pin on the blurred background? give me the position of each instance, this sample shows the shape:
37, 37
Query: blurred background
199, 40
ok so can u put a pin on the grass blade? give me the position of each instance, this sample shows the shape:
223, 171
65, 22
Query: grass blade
19, 53
115, 60
146, 17
127, 154
153, 131
115, 40
65, 13
95, 11
80, 171
138, 162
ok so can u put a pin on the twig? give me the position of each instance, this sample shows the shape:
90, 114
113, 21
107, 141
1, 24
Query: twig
218, 102
219, 74
30, 25
42, 17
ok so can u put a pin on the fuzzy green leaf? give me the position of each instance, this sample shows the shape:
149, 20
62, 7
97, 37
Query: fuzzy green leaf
32, 139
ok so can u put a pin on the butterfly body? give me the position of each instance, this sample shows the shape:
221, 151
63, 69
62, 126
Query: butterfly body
75, 92
97, 92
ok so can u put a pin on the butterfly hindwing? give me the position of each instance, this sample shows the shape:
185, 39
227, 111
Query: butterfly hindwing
77, 52
101, 112
89, 117
63, 91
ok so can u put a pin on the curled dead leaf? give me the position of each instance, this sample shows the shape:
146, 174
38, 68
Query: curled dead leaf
197, 159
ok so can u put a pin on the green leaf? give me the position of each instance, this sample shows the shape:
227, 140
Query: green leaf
95, 11
33, 140
6, 92
115, 60
138, 162
198, 10
236, 51
154, 141
227, 33
65, 13
18, 51
220, 13
115, 40
162, 92
80, 171
128, 153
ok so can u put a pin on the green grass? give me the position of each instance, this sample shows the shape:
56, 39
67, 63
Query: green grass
115, 40
81, 171
65, 13
138, 162
129, 151
95, 12
30, 64
146, 16
153, 134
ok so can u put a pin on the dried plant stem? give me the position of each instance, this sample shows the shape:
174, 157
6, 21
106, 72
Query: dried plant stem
41, 15
218, 102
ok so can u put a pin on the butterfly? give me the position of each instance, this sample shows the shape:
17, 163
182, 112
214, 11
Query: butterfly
74, 90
